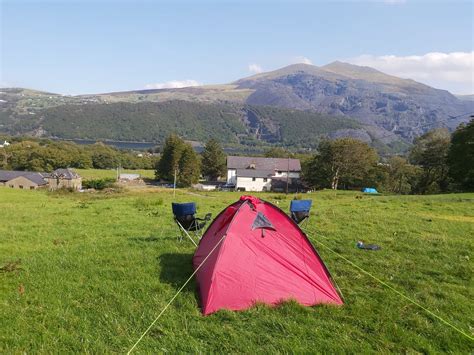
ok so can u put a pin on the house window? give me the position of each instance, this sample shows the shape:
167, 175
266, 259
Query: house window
12, 186
20, 186
254, 179
265, 179
32, 187
279, 172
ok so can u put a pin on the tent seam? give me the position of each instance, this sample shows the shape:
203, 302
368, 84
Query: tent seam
225, 234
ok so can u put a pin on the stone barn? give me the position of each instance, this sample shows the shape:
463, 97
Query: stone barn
28, 180
64, 179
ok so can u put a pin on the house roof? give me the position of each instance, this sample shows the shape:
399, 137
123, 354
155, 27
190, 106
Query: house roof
281, 164
7, 175
68, 174
254, 173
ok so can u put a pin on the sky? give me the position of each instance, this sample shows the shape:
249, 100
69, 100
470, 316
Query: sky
79, 47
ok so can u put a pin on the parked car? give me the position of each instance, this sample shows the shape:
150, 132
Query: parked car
227, 187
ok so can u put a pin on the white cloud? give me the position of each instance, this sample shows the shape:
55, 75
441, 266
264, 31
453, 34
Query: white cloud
173, 84
301, 59
450, 71
255, 68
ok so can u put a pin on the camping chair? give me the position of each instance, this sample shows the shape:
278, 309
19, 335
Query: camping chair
299, 210
187, 221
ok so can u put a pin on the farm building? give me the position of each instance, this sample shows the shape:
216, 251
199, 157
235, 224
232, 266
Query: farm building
129, 177
22, 179
64, 179
257, 174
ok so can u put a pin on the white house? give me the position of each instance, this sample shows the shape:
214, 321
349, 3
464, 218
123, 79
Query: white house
259, 174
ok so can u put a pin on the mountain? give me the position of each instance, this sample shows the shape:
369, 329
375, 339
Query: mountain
295, 105
395, 108
392, 105
466, 97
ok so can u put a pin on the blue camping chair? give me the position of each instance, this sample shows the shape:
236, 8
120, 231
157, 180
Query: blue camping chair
299, 210
184, 216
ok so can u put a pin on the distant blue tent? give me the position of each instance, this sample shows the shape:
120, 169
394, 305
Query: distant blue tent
370, 190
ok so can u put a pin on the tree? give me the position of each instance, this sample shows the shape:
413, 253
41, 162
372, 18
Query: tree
180, 158
213, 160
104, 157
189, 167
169, 161
430, 152
461, 156
402, 176
345, 161
277, 152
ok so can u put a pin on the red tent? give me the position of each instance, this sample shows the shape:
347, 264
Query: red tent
263, 256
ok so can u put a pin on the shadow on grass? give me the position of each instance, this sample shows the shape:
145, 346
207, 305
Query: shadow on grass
175, 269
144, 239
151, 239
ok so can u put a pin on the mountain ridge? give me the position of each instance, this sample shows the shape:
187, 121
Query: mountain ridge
386, 107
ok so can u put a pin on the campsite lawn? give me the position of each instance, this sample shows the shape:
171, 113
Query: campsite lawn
89, 272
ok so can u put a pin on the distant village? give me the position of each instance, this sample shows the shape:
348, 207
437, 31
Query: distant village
243, 174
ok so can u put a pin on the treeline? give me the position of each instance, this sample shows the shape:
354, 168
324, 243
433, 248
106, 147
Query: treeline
438, 162
180, 161
47, 155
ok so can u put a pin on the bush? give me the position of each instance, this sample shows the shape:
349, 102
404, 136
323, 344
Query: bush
98, 184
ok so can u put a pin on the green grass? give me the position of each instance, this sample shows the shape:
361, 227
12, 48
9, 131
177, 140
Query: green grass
89, 174
89, 273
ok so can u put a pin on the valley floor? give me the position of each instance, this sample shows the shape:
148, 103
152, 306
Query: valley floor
89, 272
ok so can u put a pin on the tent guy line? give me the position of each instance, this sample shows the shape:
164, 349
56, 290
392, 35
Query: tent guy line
176, 295
324, 246
394, 289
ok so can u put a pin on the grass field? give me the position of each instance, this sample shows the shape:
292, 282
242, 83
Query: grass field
89, 273
89, 174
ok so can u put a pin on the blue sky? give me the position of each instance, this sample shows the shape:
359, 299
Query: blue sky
78, 47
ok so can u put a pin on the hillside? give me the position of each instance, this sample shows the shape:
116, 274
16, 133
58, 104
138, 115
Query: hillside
305, 101
149, 121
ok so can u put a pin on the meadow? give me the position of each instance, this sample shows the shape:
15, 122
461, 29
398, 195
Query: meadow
91, 174
84, 272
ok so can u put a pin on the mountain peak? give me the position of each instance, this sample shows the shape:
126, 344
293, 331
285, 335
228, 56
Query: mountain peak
288, 70
353, 71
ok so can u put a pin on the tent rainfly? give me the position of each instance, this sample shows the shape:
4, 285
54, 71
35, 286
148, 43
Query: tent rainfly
259, 255
370, 190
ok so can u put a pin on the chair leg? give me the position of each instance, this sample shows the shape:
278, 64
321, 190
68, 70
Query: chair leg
198, 233
186, 232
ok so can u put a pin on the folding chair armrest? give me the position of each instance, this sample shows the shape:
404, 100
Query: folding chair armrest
207, 217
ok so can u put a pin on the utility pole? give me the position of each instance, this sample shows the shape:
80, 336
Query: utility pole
288, 175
